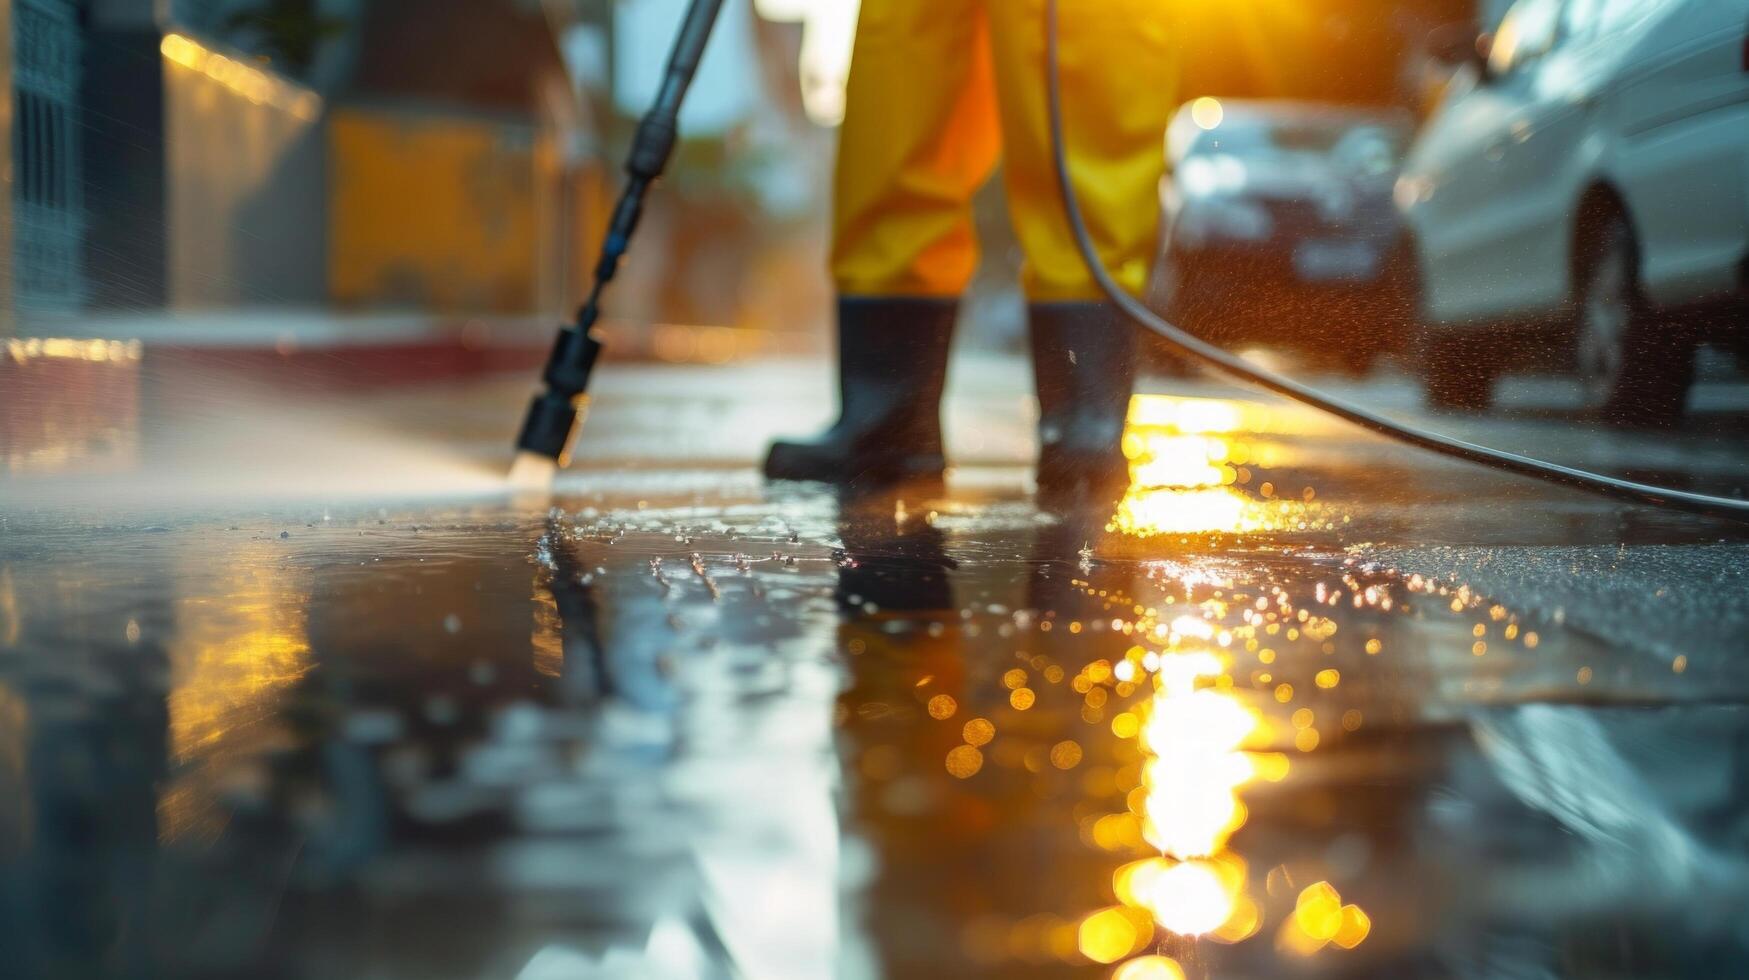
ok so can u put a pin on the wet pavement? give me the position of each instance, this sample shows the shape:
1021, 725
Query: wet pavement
299, 690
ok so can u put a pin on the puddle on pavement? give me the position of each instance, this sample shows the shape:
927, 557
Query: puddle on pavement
713, 733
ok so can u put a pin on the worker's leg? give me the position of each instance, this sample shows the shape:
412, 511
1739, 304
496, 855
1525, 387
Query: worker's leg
919, 136
1119, 76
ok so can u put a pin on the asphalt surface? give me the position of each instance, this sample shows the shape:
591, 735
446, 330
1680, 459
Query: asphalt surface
292, 685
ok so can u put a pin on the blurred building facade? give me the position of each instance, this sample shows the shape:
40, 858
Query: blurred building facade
222, 152
189, 153
451, 156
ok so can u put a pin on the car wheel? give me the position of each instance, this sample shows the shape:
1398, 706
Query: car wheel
1632, 371
1459, 373
1457, 368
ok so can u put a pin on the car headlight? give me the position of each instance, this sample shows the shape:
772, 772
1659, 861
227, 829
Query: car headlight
1211, 175
1409, 191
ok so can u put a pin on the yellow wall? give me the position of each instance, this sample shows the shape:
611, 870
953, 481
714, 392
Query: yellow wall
436, 212
243, 181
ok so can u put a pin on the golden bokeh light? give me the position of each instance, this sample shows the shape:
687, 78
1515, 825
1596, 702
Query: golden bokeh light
1066, 754
964, 761
1355, 927
1111, 934
1320, 918
1152, 967
1242, 923
1190, 899
1319, 910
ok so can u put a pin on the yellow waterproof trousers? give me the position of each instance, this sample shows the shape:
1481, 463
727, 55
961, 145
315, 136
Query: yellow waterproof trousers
940, 90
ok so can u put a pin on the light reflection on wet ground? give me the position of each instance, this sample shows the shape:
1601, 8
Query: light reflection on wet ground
720, 730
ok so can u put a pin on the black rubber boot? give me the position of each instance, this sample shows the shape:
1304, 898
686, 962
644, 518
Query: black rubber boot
1084, 364
892, 365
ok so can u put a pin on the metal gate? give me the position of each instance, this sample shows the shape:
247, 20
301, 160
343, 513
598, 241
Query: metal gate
48, 217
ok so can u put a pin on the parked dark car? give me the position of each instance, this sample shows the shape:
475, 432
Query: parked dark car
1279, 230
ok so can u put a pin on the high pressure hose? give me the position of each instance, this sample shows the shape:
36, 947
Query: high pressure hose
1729, 508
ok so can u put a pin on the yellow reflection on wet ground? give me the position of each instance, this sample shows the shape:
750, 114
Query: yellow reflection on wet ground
546, 641
11, 624
1204, 731
235, 649
1185, 413
1198, 465
1196, 737
15, 797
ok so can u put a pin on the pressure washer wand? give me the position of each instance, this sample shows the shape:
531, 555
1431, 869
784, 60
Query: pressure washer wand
552, 416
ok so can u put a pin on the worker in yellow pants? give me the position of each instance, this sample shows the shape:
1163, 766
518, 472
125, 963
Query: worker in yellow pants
940, 91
